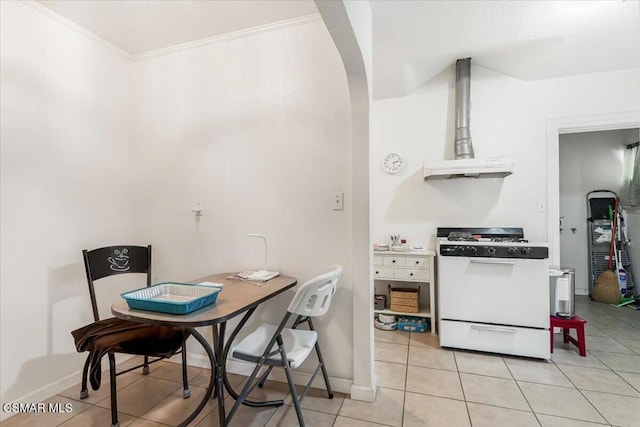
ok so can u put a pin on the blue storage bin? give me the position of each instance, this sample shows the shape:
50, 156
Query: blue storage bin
172, 298
412, 324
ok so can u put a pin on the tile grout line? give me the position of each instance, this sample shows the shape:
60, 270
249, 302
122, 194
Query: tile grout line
464, 396
522, 392
617, 341
335, 420
406, 375
575, 419
580, 391
66, 421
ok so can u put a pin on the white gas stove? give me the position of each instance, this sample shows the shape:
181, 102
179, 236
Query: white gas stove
493, 291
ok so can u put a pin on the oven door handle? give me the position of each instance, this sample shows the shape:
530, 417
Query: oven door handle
480, 261
494, 329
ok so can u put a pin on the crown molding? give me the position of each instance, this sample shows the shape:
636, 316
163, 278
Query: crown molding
77, 28
314, 17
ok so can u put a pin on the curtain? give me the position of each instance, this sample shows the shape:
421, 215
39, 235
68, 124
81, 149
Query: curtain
631, 183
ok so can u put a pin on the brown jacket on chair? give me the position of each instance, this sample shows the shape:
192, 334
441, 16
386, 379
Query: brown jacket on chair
123, 336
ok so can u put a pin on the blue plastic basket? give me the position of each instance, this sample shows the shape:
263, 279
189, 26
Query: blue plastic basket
172, 298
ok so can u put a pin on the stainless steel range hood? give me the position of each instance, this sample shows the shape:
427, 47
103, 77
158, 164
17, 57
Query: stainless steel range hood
465, 164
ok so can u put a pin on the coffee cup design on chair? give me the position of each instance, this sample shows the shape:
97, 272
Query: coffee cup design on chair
120, 262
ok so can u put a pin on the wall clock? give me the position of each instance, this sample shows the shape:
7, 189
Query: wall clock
392, 163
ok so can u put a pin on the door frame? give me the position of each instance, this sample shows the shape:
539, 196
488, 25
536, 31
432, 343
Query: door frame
555, 128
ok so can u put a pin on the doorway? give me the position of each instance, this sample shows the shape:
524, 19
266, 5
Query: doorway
556, 128
589, 161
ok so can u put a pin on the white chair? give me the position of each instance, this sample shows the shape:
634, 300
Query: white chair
271, 345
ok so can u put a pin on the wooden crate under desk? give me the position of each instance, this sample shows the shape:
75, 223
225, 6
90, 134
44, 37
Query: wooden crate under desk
405, 300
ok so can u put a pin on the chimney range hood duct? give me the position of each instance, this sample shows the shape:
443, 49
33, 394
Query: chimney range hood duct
464, 147
465, 164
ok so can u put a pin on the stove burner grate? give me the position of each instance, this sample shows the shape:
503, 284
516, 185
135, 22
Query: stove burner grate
461, 236
508, 240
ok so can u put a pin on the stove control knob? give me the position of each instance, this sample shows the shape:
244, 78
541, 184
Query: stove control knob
491, 251
512, 250
525, 251
473, 249
460, 248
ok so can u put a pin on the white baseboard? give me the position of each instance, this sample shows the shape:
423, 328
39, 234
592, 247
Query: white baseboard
50, 390
366, 394
44, 393
340, 385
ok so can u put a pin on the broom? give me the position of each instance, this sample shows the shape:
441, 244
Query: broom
610, 276
620, 271
607, 282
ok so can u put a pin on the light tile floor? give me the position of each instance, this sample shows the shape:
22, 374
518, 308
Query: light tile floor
420, 383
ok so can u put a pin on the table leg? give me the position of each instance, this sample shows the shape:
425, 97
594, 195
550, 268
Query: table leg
207, 394
220, 374
227, 384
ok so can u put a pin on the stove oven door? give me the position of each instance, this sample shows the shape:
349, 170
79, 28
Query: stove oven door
494, 290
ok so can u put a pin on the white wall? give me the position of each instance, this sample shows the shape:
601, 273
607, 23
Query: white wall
257, 130
99, 150
588, 161
65, 161
350, 26
508, 118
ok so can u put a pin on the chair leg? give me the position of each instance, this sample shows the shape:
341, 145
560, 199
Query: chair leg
185, 382
145, 367
114, 396
245, 391
264, 377
292, 386
84, 391
324, 370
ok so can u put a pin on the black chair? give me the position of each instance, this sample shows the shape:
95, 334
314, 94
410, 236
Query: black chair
131, 338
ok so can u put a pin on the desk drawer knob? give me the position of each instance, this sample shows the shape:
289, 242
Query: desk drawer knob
411, 274
417, 262
377, 272
393, 261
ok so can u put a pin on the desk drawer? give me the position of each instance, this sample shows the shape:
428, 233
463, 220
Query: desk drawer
411, 274
417, 262
383, 272
393, 261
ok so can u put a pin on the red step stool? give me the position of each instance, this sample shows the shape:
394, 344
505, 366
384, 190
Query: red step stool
576, 323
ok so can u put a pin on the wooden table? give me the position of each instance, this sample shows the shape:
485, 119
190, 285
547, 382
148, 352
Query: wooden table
237, 297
